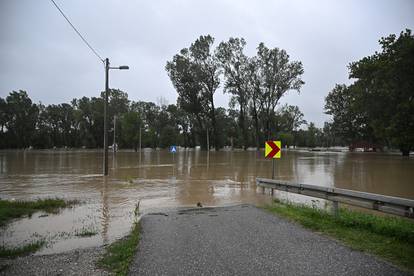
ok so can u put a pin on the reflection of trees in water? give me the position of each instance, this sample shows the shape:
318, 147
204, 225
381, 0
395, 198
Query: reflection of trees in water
3, 164
376, 173
314, 168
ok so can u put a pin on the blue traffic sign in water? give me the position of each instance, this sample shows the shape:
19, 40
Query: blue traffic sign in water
173, 149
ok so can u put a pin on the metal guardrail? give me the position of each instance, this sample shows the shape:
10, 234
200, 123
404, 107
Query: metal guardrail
387, 204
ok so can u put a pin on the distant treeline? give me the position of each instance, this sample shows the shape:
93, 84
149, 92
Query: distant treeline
80, 124
377, 110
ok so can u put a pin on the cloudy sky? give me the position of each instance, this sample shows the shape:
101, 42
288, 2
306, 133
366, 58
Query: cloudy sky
40, 53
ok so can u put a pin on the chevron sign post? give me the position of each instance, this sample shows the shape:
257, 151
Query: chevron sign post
272, 149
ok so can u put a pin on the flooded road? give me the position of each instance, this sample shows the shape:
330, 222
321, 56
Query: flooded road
159, 179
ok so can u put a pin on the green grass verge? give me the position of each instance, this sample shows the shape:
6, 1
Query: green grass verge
119, 254
16, 209
22, 250
388, 237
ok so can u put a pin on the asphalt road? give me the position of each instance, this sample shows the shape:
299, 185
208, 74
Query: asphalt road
243, 240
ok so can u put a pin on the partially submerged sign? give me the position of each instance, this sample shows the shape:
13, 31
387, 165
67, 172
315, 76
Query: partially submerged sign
173, 149
272, 149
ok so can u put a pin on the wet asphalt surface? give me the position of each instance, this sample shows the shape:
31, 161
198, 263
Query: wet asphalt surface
243, 240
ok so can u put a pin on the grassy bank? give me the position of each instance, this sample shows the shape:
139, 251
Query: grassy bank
16, 209
388, 237
119, 254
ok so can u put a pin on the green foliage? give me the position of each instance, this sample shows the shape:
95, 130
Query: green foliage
236, 66
131, 124
195, 74
379, 106
276, 76
119, 254
388, 237
19, 119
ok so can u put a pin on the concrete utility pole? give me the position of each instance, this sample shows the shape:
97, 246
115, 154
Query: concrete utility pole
105, 171
123, 67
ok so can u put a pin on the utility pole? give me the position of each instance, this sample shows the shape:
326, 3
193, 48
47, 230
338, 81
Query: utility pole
123, 67
105, 170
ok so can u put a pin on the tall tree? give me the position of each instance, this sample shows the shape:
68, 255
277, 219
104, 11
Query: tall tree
131, 123
236, 71
388, 89
183, 74
349, 119
379, 105
256, 106
207, 74
277, 75
21, 119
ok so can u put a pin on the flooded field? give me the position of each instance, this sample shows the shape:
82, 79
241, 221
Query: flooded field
159, 180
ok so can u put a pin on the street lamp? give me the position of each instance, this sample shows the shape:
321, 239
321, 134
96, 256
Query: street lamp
107, 67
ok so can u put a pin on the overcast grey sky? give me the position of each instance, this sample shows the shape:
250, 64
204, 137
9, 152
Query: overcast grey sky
40, 53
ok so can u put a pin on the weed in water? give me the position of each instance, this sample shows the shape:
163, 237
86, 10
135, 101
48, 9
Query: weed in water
136, 211
86, 232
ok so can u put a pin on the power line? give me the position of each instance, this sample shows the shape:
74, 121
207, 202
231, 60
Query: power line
84, 40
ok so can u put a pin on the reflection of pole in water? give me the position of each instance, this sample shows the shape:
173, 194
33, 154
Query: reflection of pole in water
208, 160
173, 163
105, 211
113, 160
189, 160
140, 146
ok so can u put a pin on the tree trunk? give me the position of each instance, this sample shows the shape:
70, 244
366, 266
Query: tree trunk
201, 133
213, 121
256, 122
243, 125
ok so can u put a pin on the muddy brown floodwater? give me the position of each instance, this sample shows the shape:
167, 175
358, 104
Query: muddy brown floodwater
160, 180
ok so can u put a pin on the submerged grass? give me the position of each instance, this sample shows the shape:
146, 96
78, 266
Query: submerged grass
86, 232
388, 237
22, 250
119, 254
16, 209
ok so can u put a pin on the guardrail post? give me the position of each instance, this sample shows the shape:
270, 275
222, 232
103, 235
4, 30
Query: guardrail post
335, 209
272, 190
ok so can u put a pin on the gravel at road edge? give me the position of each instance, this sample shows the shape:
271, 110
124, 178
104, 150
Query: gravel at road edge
75, 262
